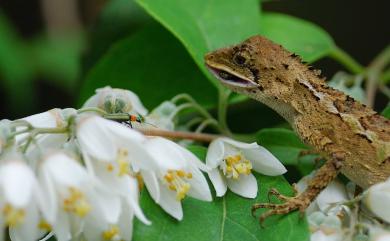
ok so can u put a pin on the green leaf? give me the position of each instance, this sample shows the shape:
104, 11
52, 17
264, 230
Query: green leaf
283, 143
386, 112
153, 64
118, 19
199, 151
224, 219
204, 25
297, 35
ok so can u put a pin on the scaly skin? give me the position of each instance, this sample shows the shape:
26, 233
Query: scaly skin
354, 138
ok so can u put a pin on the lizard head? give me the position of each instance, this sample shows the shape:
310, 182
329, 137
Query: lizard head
242, 67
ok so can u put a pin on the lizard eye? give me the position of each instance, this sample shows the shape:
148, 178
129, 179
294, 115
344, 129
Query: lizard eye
239, 59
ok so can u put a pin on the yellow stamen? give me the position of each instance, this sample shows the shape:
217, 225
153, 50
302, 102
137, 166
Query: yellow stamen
235, 166
140, 181
110, 167
13, 216
110, 233
176, 182
76, 203
44, 225
123, 162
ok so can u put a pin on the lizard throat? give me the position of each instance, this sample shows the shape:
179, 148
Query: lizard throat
231, 79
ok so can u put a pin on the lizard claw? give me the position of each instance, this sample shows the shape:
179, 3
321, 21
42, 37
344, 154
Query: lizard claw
290, 204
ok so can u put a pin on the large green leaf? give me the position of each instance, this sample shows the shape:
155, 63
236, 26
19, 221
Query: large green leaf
224, 219
204, 25
153, 64
297, 35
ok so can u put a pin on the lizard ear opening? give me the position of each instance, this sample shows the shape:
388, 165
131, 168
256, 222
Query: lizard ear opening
232, 79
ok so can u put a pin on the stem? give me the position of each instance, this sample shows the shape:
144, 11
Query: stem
38, 131
373, 73
384, 89
345, 59
222, 109
203, 111
182, 107
193, 122
179, 135
206, 123
196, 105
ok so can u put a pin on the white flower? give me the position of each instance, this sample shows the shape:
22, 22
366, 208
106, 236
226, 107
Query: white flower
162, 116
116, 101
335, 192
325, 228
379, 234
120, 148
231, 163
99, 227
377, 199
112, 153
176, 175
55, 118
20, 197
66, 200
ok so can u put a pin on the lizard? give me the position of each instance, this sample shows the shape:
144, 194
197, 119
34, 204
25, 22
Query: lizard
353, 138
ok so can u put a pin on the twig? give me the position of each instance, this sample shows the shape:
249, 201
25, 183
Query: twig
179, 135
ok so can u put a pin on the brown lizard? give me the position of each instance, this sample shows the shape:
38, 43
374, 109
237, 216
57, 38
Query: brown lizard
353, 138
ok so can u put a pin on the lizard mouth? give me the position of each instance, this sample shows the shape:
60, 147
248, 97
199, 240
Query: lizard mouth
232, 79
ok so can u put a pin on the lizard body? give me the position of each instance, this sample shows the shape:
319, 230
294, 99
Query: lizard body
354, 138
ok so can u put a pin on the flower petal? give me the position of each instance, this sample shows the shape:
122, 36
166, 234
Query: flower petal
377, 200
215, 153
264, 162
138, 107
334, 192
199, 187
48, 202
28, 229
62, 227
151, 184
132, 199
169, 203
245, 186
65, 170
95, 138
166, 153
47, 119
193, 160
239, 144
218, 182
17, 180
126, 224
108, 204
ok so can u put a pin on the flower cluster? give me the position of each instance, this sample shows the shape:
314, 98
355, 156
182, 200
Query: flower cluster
337, 215
75, 174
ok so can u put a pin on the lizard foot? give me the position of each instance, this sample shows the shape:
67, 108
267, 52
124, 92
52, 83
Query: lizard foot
298, 202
